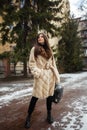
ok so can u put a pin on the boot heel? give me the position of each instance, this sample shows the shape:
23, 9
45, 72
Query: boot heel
27, 123
49, 118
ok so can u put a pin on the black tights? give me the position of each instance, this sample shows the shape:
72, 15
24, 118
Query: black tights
33, 103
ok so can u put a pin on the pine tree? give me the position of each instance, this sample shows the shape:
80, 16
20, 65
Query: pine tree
21, 21
69, 59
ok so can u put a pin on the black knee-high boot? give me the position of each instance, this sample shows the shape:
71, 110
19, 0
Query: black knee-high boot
49, 107
30, 110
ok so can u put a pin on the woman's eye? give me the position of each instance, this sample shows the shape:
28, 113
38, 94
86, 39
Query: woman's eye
40, 37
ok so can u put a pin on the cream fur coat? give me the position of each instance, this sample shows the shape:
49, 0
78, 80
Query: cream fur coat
44, 77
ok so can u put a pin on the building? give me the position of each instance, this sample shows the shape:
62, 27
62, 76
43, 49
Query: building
4, 61
83, 34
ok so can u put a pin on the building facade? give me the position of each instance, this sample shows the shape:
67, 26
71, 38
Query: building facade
83, 34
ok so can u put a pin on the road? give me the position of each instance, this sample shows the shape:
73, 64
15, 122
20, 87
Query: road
69, 114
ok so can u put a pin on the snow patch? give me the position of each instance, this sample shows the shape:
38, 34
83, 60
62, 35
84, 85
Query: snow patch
77, 119
13, 91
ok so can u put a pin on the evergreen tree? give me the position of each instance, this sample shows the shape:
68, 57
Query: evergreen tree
69, 58
23, 18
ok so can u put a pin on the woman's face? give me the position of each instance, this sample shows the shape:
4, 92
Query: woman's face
41, 39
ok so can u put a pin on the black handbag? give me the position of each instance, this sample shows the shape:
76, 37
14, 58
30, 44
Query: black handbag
58, 93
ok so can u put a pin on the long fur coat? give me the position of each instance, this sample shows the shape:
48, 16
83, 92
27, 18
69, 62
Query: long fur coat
44, 77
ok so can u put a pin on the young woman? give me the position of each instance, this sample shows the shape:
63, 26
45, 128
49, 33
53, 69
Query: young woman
44, 70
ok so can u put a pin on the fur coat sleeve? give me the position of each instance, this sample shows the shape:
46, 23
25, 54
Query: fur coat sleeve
33, 66
56, 71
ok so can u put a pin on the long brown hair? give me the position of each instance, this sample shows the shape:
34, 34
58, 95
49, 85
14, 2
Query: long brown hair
43, 50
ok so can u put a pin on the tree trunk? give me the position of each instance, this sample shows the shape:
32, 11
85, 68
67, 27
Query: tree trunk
25, 34
25, 68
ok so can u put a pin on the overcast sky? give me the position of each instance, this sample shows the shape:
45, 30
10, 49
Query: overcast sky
74, 7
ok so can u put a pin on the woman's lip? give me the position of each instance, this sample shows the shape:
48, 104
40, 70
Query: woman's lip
40, 40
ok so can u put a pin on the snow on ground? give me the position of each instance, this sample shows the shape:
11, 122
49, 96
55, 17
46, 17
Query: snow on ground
11, 91
75, 120
78, 118
74, 79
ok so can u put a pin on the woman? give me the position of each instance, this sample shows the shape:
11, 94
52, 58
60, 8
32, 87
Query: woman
44, 70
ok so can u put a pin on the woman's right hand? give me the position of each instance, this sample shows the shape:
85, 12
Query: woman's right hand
51, 67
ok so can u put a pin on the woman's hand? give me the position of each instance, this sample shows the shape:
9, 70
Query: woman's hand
51, 67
